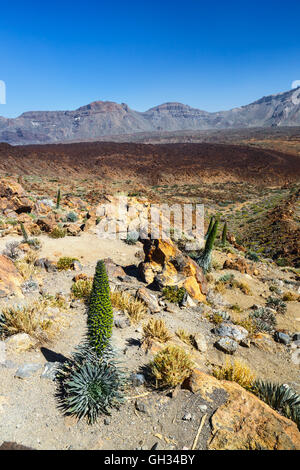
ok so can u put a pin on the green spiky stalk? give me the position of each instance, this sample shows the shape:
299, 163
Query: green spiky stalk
211, 223
224, 234
204, 259
100, 314
24, 233
58, 199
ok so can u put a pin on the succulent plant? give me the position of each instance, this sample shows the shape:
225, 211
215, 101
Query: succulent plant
276, 304
89, 386
281, 398
264, 320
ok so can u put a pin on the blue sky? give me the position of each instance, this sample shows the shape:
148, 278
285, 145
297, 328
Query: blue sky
210, 55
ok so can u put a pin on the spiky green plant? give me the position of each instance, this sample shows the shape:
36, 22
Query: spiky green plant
100, 313
211, 223
276, 304
89, 386
204, 259
58, 197
280, 397
224, 234
264, 320
24, 233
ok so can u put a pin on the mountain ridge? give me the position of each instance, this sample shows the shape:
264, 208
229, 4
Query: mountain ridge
105, 118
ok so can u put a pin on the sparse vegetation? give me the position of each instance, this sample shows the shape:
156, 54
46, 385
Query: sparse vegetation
174, 294
26, 266
187, 338
58, 232
135, 308
82, 288
156, 329
235, 371
264, 320
65, 263
276, 304
28, 319
171, 367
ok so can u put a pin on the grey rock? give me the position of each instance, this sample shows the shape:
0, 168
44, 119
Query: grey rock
187, 417
227, 345
149, 299
282, 337
8, 364
138, 380
200, 342
107, 421
50, 370
27, 370
122, 322
245, 343
141, 406
203, 408
236, 332
296, 336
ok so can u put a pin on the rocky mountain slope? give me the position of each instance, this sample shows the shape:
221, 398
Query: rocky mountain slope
105, 118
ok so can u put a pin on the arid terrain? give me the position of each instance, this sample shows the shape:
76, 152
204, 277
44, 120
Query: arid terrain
244, 312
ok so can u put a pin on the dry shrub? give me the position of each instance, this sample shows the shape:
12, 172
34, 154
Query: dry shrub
235, 371
82, 289
220, 287
248, 324
28, 319
135, 308
26, 266
171, 367
243, 286
290, 297
156, 329
185, 337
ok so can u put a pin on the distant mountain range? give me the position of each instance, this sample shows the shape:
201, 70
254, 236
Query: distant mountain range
106, 118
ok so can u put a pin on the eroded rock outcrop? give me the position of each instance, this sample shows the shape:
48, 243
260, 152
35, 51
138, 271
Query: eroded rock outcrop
165, 265
243, 422
13, 198
10, 279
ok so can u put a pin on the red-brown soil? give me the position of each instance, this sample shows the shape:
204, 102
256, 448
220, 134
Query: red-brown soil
152, 164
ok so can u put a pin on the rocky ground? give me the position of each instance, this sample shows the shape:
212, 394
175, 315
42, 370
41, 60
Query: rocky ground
215, 313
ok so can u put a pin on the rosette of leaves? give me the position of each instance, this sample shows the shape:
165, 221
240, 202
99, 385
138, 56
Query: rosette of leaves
89, 385
281, 398
264, 320
276, 304
100, 312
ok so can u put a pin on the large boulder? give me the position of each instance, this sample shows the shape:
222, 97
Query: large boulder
165, 265
13, 198
10, 280
243, 422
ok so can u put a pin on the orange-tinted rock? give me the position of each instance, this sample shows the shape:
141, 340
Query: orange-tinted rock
243, 422
14, 198
166, 265
10, 279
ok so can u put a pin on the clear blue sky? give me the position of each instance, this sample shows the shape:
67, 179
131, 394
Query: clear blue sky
212, 55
